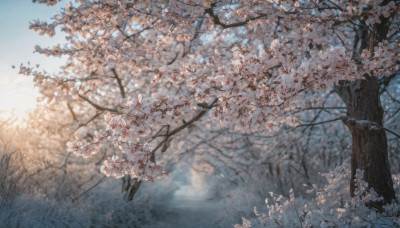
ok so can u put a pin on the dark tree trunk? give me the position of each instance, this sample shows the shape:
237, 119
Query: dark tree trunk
369, 143
130, 186
364, 117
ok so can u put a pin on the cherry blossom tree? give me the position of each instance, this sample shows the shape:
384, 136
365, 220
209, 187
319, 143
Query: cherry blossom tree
152, 69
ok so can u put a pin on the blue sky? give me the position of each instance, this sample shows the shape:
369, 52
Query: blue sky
17, 43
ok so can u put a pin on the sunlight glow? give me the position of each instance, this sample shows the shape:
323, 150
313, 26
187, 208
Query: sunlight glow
16, 98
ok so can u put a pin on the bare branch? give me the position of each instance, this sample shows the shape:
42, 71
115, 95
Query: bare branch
121, 87
98, 107
217, 21
72, 112
322, 122
87, 190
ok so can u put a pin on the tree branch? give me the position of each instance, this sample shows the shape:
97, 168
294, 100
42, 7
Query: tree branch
98, 106
365, 124
183, 126
87, 190
322, 122
72, 112
217, 21
121, 87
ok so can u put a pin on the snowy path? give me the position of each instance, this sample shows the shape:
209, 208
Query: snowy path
190, 210
191, 214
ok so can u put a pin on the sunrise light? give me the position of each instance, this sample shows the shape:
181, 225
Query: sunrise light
16, 102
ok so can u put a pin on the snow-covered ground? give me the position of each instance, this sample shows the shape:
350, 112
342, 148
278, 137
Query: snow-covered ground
190, 208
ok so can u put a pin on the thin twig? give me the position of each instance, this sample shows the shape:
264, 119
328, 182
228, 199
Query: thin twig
87, 190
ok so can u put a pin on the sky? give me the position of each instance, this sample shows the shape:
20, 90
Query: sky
17, 42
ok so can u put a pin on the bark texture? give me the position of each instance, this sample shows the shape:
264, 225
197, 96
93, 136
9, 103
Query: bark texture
369, 143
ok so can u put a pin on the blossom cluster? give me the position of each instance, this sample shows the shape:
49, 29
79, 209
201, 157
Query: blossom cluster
130, 132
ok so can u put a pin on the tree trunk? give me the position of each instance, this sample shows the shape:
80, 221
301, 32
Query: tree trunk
369, 143
130, 186
365, 114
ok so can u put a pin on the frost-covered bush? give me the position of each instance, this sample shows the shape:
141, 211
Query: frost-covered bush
332, 206
106, 206
101, 207
41, 213
12, 177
